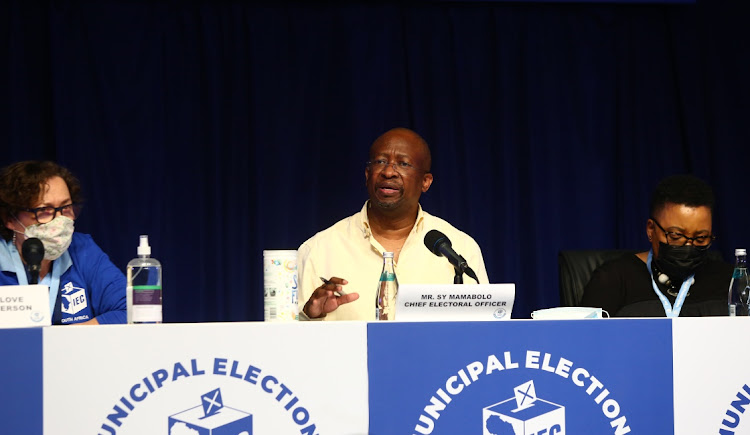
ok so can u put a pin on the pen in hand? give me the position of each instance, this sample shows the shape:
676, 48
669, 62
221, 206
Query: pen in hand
326, 282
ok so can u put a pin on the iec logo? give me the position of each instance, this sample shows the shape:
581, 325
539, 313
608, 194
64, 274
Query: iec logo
526, 415
500, 313
211, 418
73, 299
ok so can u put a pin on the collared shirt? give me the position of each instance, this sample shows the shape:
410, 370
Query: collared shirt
86, 283
348, 250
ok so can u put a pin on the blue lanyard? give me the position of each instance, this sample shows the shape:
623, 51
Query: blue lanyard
54, 287
684, 288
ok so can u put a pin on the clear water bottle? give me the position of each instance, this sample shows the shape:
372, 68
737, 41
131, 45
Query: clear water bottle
144, 286
385, 301
739, 288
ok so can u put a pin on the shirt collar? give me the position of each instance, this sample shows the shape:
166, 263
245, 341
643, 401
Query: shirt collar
6, 261
364, 221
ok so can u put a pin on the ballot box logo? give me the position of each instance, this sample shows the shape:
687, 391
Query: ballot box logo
524, 414
202, 412
73, 299
523, 384
211, 417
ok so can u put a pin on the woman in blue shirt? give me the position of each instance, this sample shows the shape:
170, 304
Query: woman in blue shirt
41, 200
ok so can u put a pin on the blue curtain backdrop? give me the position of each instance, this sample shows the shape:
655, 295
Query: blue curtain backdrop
224, 128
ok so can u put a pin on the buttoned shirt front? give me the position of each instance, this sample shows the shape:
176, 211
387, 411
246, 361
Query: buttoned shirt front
348, 250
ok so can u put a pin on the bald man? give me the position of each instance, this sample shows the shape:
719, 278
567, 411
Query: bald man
350, 253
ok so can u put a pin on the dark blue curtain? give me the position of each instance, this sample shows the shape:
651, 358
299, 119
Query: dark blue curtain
224, 128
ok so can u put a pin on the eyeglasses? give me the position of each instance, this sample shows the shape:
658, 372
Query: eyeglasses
679, 239
46, 214
402, 168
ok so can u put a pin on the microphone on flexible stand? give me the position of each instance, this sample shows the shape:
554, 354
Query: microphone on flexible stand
439, 244
32, 251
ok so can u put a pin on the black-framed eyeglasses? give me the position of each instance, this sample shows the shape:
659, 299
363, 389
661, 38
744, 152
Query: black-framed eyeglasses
46, 214
401, 167
679, 239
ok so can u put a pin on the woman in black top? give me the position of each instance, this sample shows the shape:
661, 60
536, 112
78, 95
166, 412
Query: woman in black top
681, 279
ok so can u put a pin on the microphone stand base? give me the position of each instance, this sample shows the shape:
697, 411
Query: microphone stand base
459, 277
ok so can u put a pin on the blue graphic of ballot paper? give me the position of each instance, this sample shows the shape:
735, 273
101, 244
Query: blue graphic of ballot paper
211, 418
524, 414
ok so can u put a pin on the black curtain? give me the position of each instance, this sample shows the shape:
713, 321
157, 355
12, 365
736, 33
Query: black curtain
224, 128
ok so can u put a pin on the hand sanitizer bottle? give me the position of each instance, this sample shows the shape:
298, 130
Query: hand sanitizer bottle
144, 286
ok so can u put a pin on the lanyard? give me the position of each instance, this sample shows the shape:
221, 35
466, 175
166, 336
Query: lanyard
684, 288
54, 287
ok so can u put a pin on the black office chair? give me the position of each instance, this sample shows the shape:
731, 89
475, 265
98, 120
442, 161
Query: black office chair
576, 267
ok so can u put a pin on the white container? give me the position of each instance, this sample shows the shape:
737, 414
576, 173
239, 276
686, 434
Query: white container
280, 286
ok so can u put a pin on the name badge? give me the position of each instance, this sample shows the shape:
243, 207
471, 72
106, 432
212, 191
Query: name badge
430, 302
23, 306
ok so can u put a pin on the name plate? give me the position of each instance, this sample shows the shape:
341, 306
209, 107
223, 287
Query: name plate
22, 306
430, 302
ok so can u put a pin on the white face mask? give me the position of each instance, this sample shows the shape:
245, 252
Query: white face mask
55, 235
569, 313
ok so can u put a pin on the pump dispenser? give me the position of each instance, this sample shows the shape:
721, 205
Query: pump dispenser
144, 249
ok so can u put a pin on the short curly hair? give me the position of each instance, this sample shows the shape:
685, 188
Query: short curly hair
682, 189
21, 186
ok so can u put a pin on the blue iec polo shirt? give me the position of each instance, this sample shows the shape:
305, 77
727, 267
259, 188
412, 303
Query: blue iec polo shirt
83, 283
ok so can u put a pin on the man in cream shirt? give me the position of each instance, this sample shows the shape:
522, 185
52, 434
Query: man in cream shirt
349, 255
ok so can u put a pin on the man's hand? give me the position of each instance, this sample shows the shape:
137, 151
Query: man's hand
325, 298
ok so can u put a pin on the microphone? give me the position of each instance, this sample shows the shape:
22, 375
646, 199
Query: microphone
439, 244
32, 251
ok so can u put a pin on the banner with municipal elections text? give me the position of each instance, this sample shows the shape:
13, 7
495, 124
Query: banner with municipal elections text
712, 375
212, 379
521, 377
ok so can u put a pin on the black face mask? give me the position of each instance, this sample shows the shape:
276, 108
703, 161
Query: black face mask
678, 262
